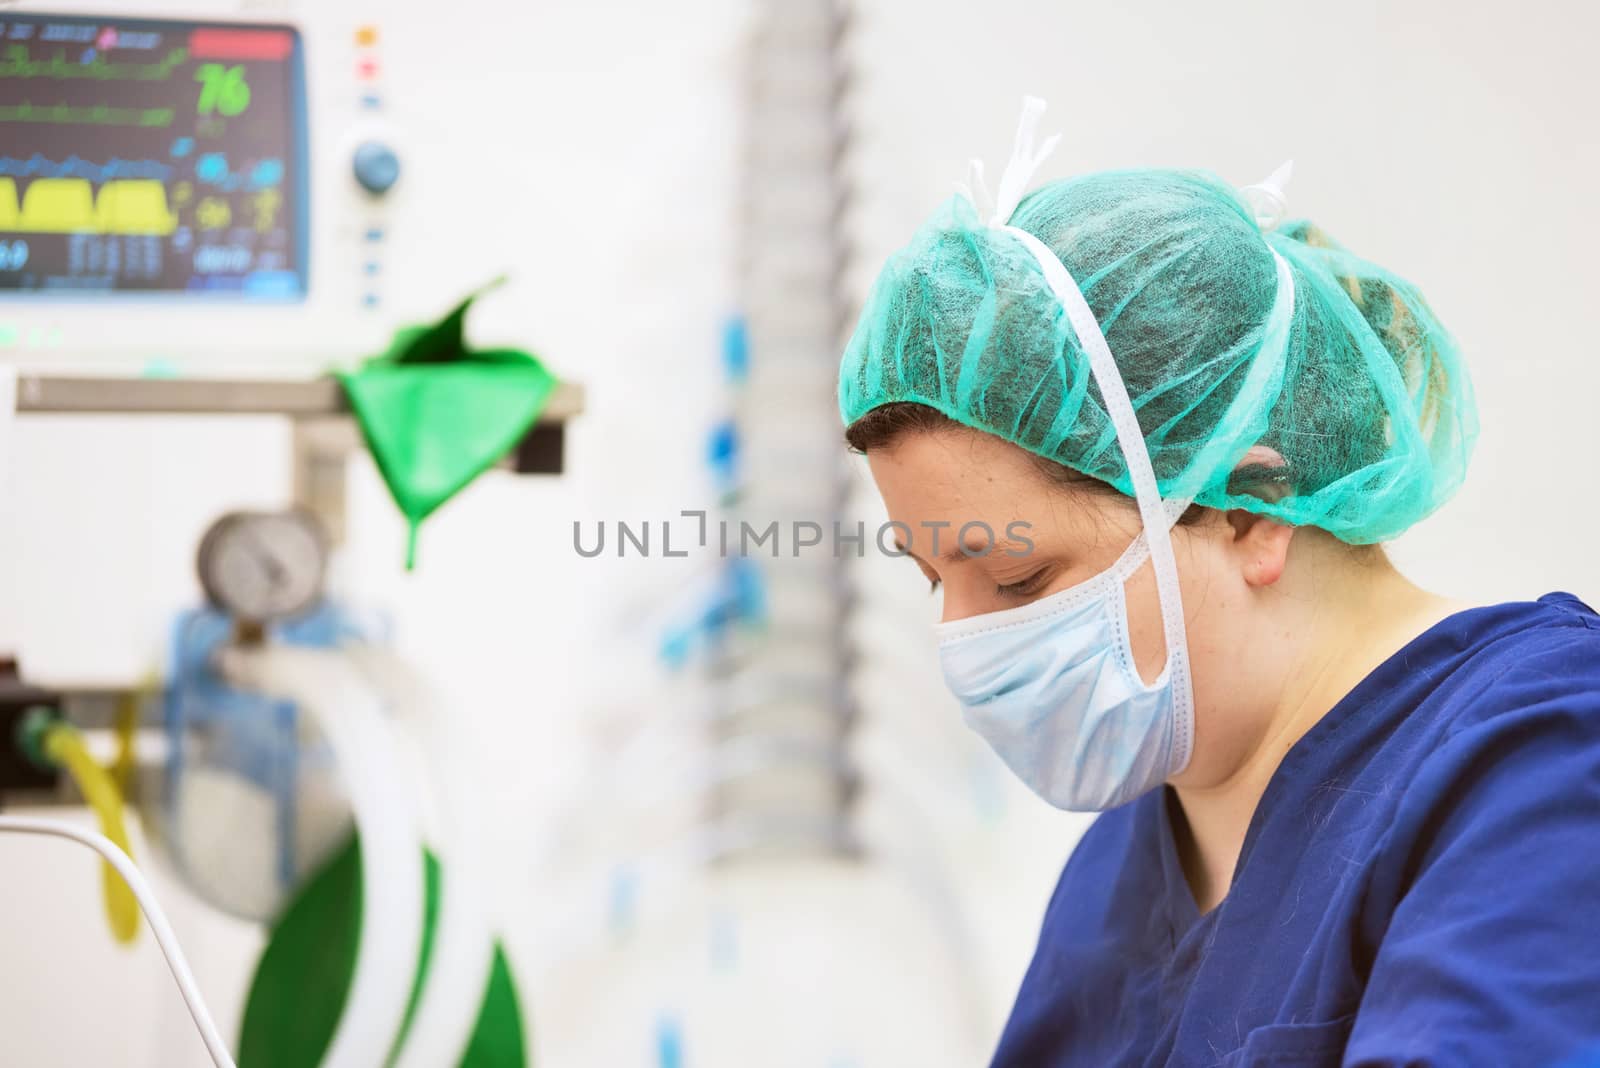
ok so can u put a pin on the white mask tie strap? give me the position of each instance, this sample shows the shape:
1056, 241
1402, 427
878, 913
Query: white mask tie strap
1025, 160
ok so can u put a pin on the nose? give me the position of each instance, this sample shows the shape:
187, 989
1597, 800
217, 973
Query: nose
954, 607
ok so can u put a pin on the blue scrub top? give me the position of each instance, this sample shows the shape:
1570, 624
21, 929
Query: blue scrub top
1419, 885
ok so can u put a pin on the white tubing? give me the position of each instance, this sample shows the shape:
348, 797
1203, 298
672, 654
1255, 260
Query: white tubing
463, 939
165, 938
326, 687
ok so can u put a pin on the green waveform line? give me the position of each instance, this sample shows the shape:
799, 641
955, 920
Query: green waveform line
19, 63
91, 115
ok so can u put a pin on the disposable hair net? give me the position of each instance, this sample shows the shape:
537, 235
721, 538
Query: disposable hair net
1335, 365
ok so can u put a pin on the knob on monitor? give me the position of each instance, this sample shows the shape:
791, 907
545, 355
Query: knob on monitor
376, 167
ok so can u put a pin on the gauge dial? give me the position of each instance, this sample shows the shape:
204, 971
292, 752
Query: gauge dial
262, 566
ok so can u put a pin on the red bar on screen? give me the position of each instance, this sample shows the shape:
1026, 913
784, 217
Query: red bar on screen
218, 43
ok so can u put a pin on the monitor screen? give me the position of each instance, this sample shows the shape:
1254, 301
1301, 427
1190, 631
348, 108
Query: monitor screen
151, 156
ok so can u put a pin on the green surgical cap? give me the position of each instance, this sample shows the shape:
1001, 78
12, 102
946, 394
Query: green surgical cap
1349, 409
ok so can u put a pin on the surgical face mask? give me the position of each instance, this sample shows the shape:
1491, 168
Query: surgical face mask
1053, 688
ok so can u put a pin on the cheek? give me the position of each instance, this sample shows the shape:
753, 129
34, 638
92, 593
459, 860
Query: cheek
1144, 623
1204, 584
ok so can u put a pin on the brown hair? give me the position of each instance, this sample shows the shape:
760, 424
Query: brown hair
881, 427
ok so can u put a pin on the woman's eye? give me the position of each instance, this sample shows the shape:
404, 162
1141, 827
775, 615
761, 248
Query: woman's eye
1023, 588
930, 574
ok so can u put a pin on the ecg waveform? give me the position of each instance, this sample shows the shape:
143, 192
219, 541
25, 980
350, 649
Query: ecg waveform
131, 206
18, 62
86, 115
37, 166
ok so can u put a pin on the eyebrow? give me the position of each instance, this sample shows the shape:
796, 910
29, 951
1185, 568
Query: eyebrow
956, 555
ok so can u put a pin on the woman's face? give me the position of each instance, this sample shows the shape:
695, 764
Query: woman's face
936, 482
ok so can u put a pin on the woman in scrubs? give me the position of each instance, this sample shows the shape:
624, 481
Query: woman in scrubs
1146, 439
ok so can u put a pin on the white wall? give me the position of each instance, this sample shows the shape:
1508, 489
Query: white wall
1445, 140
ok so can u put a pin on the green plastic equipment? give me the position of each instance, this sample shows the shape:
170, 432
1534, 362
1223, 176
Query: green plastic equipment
436, 414
304, 976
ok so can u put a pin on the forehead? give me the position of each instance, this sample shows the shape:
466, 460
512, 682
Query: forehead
954, 461
956, 477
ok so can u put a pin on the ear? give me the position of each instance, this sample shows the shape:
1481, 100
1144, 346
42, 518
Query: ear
1260, 545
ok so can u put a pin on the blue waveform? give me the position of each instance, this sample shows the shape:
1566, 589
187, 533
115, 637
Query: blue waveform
267, 173
38, 166
213, 168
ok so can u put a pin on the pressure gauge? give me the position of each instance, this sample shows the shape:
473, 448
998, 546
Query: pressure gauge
262, 566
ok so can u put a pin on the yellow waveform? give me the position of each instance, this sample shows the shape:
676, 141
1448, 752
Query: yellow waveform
132, 206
